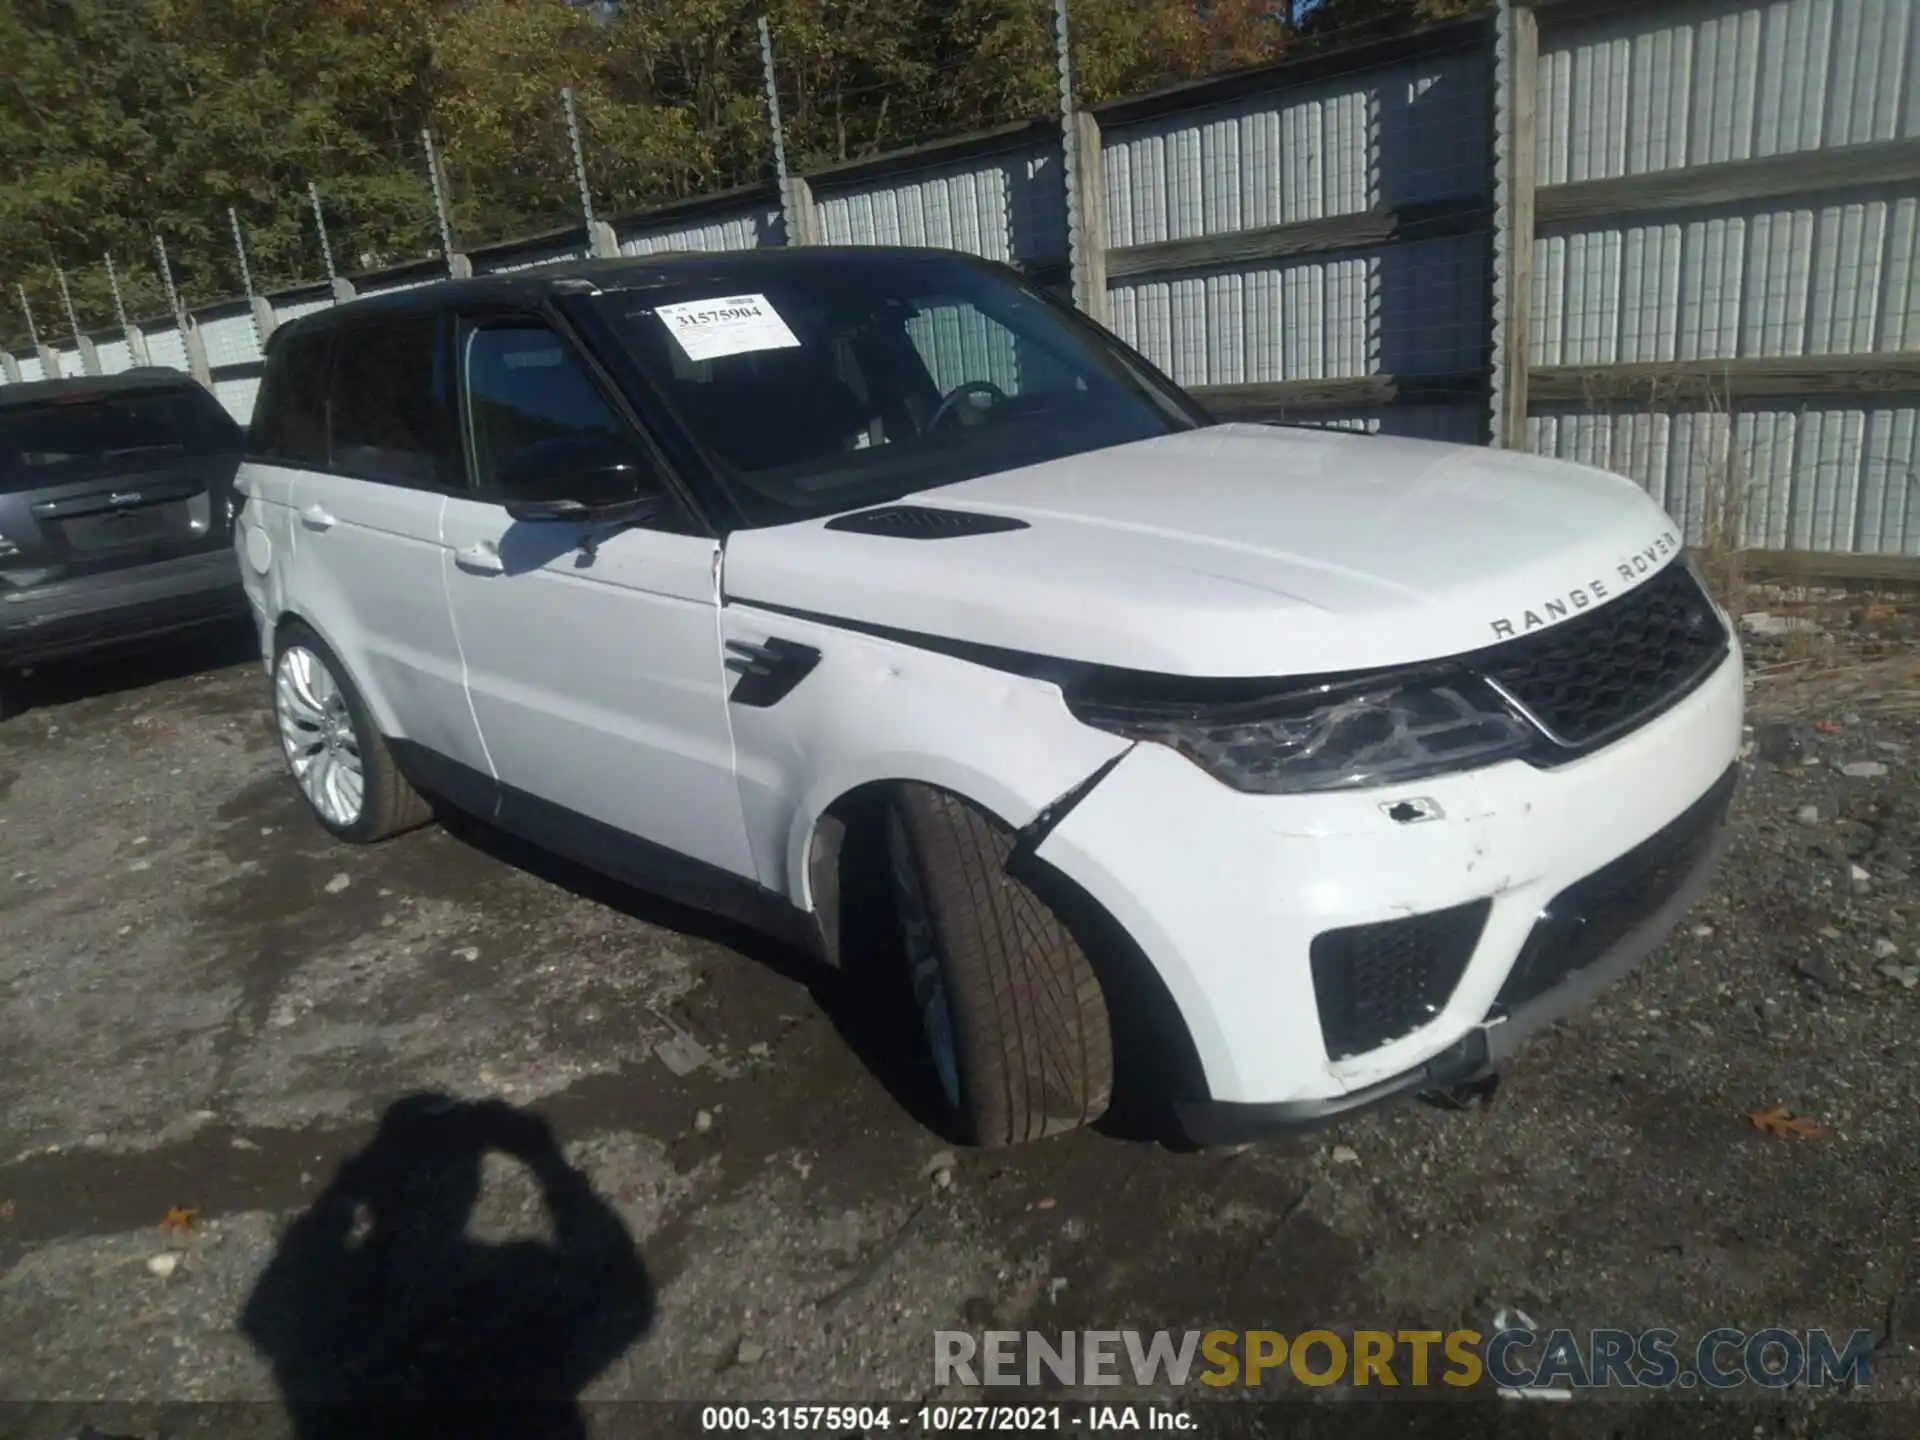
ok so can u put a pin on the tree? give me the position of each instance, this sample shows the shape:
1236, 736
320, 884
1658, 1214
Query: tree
120, 119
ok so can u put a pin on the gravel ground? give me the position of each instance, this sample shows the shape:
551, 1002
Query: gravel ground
211, 1007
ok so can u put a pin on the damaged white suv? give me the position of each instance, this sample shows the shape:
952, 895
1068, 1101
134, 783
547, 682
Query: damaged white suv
1249, 773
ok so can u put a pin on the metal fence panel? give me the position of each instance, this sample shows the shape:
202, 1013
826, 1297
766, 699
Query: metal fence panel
238, 396
1007, 207
1695, 84
394, 287
1770, 278
165, 347
508, 264
1416, 309
115, 356
1392, 137
231, 339
747, 230
1789, 476
285, 310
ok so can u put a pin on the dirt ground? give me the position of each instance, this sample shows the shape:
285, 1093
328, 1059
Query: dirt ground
211, 1007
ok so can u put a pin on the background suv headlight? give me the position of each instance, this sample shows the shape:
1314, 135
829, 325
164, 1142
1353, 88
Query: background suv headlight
1342, 735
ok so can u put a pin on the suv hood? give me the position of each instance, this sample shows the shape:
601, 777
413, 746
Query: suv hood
1236, 550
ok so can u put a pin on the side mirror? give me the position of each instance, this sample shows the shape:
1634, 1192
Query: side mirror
574, 477
606, 511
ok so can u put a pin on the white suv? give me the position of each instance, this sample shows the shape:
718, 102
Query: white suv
1251, 773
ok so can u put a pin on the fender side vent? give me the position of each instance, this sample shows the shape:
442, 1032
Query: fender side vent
923, 522
769, 671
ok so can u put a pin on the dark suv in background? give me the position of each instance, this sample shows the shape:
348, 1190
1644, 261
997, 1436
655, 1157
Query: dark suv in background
116, 516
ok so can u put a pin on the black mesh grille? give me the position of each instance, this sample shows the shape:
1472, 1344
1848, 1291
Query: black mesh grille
923, 522
1591, 916
1375, 983
1590, 678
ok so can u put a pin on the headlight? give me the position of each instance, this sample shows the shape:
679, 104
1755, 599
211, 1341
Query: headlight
7, 547
1340, 736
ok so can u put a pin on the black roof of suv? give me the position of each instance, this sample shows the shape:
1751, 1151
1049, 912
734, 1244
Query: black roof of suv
141, 377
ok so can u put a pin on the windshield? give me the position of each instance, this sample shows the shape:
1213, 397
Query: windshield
68, 438
845, 382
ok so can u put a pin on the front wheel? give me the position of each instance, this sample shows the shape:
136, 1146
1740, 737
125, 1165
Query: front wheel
1010, 1008
338, 757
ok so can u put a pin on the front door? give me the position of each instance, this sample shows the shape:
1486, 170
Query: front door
593, 660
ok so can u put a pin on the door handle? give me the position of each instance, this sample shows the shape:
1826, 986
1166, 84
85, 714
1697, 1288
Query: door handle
316, 517
480, 558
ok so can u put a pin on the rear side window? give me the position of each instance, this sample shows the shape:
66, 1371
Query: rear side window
75, 436
390, 404
290, 418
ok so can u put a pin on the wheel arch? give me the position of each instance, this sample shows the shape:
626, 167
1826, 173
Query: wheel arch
376, 704
1156, 1060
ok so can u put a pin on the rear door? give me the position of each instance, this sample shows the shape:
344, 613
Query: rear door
365, 567
288, 436
106, 480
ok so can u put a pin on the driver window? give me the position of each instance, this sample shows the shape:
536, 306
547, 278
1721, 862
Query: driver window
535, 417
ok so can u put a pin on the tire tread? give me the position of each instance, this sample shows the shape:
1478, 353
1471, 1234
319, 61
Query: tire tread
1031, 1021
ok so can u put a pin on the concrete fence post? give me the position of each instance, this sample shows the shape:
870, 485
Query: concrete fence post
1090, 184
1516, 58
265, 321
796, 197
82, 344
806, 215
196, 347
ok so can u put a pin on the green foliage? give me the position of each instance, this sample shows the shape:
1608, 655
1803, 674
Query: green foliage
121, 120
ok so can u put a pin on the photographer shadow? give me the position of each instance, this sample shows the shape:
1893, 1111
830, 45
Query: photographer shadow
382, 1316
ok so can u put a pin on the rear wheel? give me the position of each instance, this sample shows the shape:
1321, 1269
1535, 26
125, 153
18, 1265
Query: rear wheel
12, 702
1014, 1021
338, 758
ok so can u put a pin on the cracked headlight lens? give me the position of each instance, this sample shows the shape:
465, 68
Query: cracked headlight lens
1332, 737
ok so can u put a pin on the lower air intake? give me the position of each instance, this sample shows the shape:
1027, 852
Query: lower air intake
1375, 983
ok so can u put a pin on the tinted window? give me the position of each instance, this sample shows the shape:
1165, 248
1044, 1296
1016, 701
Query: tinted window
537, 422
391, 412
63, 439
817, 387
290, 416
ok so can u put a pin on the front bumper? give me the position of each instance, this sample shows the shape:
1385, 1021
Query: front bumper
1476, 1054
1226, 893
75, 617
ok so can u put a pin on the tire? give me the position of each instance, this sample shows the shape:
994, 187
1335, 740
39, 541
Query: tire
1002, 987
12, 700
321, 718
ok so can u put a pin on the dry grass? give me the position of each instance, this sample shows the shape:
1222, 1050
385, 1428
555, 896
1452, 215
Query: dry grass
1826, 658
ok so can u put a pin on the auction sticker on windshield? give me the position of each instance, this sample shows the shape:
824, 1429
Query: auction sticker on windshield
734, 325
